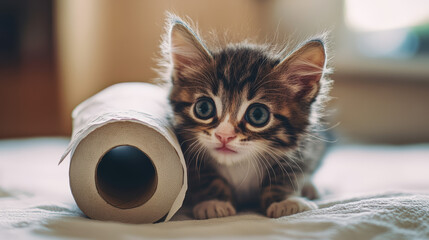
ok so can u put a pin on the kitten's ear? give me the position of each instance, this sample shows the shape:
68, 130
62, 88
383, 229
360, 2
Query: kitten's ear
303, 69
187, 50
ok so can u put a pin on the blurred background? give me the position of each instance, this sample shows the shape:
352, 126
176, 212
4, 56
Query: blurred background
55, 54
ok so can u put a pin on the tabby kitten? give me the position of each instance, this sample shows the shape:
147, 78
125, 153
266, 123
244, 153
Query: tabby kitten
248, 121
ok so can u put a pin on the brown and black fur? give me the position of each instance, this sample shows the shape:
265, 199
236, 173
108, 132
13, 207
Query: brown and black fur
293, 139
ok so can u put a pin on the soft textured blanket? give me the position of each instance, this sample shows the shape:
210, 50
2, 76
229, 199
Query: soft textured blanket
367, 193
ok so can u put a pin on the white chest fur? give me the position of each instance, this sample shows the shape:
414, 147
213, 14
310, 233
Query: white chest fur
245, 178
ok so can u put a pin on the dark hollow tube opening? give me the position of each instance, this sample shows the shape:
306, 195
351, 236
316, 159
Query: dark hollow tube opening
126, 177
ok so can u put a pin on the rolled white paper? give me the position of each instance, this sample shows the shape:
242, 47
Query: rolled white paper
126, 163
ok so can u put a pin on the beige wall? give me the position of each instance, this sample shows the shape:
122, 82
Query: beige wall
381, 109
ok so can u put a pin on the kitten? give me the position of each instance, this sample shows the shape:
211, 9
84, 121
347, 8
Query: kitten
247, 120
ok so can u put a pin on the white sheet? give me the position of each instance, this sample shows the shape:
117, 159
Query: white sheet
368, 193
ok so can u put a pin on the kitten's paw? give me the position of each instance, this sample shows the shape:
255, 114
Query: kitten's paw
213, 209
290, 206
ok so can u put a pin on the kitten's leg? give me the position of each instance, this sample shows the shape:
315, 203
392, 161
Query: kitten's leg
309, 191
280, 197
211, 196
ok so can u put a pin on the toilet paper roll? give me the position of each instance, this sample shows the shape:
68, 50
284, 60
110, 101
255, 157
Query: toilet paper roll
126, 163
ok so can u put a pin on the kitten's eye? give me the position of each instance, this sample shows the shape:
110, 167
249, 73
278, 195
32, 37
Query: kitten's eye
257, 115
204, 108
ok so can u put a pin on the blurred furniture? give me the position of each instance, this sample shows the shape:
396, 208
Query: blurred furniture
29, 99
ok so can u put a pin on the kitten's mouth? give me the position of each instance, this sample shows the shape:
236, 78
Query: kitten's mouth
224, 149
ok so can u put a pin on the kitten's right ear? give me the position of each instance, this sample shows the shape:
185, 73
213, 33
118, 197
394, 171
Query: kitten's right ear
186, 49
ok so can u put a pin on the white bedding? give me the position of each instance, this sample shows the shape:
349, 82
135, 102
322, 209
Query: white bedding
368, 192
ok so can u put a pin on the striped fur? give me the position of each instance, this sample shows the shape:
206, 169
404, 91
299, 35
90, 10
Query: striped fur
282, 154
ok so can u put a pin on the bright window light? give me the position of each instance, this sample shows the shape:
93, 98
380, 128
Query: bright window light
379, 15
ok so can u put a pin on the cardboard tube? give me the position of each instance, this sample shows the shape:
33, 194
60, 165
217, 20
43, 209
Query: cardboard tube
126, 177
126, 164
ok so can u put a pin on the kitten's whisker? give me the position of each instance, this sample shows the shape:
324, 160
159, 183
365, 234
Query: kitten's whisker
322, 139
294, 161
190, 147
263, 161
261, 150
256, 170
253, 164
301, 158
260, 174
327, 129
189, 160
192, 156
247, 174
293, 171
284, 171
204, 154
276, 159
191, 139
266, 168
195, 157
198, 160
289, 156
266, 162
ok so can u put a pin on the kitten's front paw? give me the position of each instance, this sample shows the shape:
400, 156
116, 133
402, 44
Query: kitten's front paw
290, 206
213, 209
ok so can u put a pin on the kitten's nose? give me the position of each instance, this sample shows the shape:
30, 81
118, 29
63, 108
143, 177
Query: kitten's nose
225, 132
225, 138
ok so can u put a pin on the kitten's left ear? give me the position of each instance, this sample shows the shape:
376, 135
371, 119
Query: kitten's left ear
187, 50
303, 69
